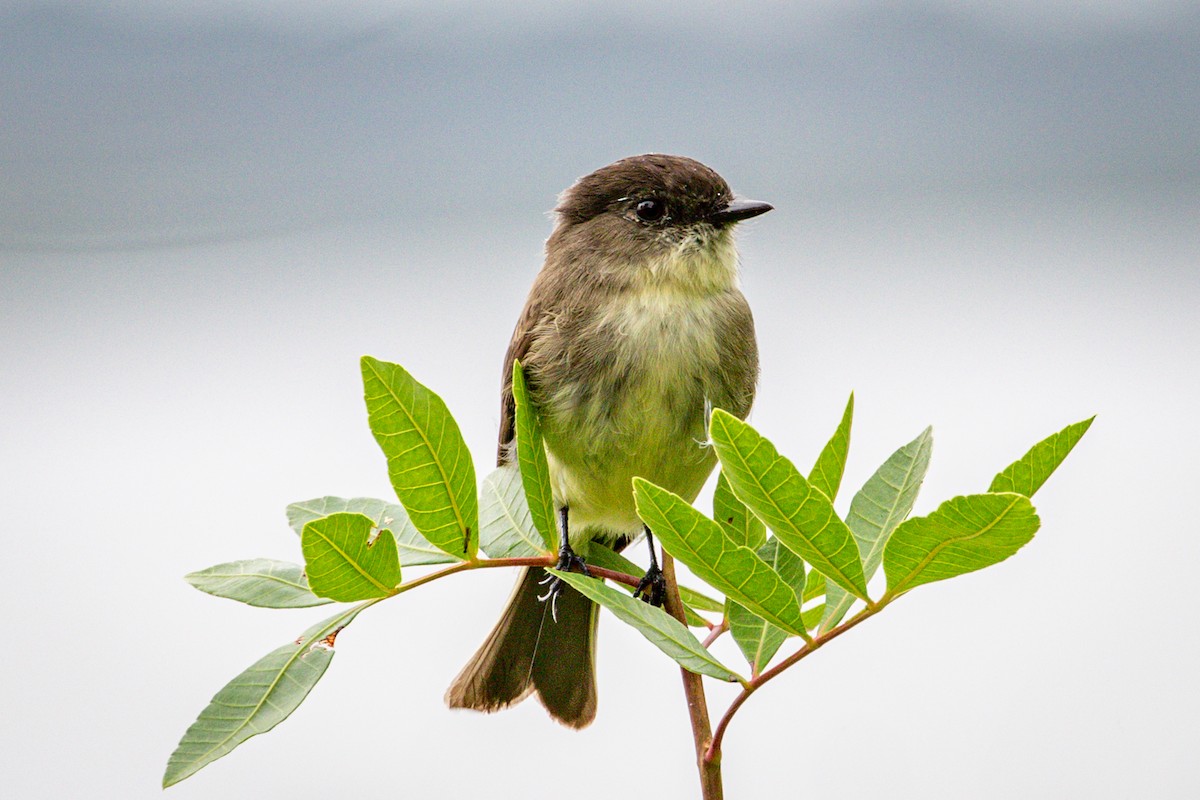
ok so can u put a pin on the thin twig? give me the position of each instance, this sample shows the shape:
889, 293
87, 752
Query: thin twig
717, 630
482, 563
613, 575
713, 752
693, 690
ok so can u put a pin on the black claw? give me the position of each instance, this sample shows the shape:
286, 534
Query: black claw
568, 561
656, 583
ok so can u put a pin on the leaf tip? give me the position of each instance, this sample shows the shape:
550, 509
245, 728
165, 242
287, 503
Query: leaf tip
720, 414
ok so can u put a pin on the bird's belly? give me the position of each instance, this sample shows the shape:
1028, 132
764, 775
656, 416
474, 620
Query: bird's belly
641, 412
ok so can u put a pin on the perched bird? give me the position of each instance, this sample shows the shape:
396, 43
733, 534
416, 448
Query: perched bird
634, 330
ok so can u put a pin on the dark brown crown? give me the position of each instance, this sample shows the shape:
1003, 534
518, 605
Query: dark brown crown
691, 190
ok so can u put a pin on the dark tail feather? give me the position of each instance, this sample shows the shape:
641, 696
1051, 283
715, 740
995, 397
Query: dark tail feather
528, 651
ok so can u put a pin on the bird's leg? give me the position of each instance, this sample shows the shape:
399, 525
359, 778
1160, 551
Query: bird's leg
653, 579
568, 560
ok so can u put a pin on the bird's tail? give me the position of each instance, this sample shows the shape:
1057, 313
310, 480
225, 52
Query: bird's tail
528, 651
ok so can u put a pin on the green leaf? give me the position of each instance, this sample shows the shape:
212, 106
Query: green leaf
739, 523
964, 534
814, 586
699, 601
411, 546
257, 582
885, 501
607, 558
505, 527
812, 616
1026, 475
428, 461
660, 628
347, 558
531, 455
258, 699
802, 518
604, 557
827, 473
702, 545
758, 639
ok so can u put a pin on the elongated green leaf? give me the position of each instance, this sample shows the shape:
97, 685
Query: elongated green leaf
739, 523
699, 601
827, 473
660, 628
964, 534
428, 461
1027, 474
411, 546
258, 699
802, 518
505, 526
347, 558
531, 456
258, 582
814, 586
758, 639
606, 558
812, 616
884, 501
732, 568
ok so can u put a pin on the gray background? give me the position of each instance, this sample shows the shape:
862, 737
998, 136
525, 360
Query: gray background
986, 220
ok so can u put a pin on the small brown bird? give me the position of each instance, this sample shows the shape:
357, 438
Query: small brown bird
634, 330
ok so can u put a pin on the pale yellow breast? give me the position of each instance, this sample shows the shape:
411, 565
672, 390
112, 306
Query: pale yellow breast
644, 413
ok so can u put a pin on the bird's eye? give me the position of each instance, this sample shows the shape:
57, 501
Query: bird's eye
651, 210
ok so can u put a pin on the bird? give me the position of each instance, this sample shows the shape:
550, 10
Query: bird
635, 328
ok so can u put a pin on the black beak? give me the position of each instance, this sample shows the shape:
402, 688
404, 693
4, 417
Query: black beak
737, 211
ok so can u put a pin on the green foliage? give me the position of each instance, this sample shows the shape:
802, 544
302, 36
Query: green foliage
884, 501
660, 628
732, 568
964, 534
734, 518
428, 461
258, 582
699, 601
814, 586
802, 518
531, 457
1027, 474
258, 699
758, 639
348, 559
413, 549
827, 473
803, 578
506, 527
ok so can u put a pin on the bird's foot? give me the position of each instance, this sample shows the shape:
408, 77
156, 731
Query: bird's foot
652, 588
568, 561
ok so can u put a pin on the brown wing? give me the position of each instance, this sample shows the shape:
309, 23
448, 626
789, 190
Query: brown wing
739, 366
522, 338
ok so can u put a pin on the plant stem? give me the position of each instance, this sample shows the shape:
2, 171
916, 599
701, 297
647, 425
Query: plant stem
693, 690
713, 751
524, 561
485, 563
715, 632
613, 575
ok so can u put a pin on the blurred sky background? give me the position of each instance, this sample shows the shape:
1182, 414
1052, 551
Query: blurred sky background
986, 220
